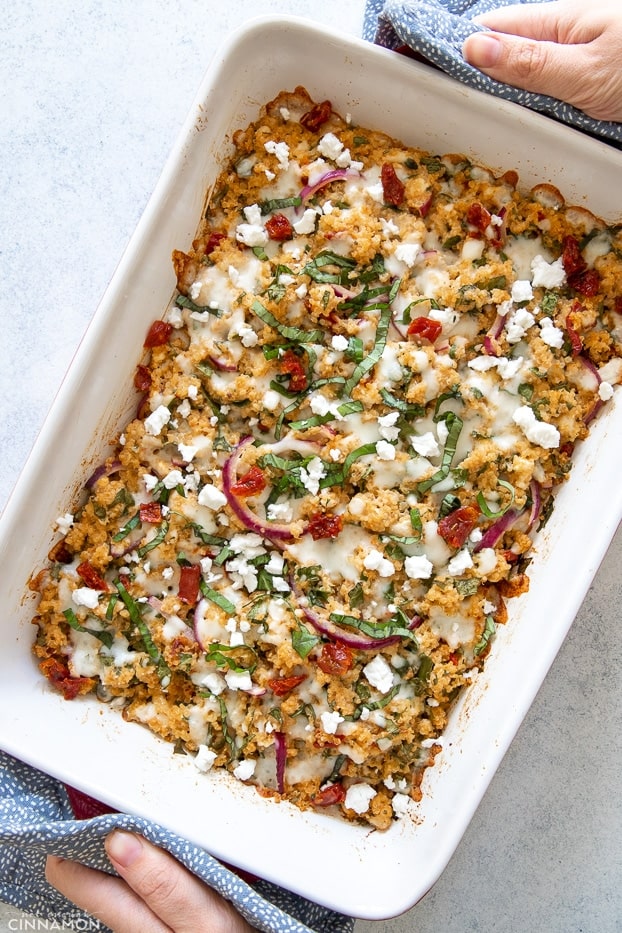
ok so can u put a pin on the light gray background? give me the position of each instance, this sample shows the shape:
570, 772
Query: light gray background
94, 94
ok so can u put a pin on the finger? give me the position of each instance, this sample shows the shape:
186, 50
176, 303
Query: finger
541, 67
540, 21
173, 893
104, 897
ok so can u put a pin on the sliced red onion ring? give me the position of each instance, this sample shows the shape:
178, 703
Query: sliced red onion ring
280, 748
106, 469
222, 365
272, 530
337, 174
536, 504
493, 335
496, 531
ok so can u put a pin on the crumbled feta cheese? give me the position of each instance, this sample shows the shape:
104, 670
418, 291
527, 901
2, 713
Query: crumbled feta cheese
375, 560
280, 512
271, 400
64, 522
545, 274
157, 420
173, 479
239, 680
280, 150
307, 222
538, 432
418, 567
521, 291
252, 233
302, 290
385, 450
85, 596
204, 758
359, 797
459, 563
518, 324
187, 452
245, 769
551, 335
400, 804
212, 497
605, 391
425, 445
311, 476
330, 146
407, 253
339, 343
379, 674
330, 721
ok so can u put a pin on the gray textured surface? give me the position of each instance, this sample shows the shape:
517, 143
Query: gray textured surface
98, 93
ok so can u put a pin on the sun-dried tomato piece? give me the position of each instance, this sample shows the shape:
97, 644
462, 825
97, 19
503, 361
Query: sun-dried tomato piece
335, 658
158, 334
586, 283
393, 190
572, 258
281, 686
279, 228
576, 344
150, 512
456, 527
60, 677
250, 484
478, 217
142, 378
617, 305
91, 577
424, 328
214, 240
291, 365
329, 796
318, 115
60, 553
189, 580
324, 525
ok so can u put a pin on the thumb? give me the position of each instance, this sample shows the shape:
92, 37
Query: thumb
541, 67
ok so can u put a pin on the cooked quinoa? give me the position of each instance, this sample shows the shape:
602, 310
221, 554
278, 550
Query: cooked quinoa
353, 419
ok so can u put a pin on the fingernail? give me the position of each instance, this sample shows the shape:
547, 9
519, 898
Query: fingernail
483, 50
124, 848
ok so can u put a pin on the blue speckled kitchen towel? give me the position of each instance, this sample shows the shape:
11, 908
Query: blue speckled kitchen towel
436, 30
36, 818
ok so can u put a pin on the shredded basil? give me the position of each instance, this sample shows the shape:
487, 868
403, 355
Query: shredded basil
337, 473
217, 598
454, 423
289, 333
380, 629
182, 301
368, 362
279, 204
105, 637
492, 513
488, 633
238, 658
155, 541
139, 623
347, 408
129, 526
303, 640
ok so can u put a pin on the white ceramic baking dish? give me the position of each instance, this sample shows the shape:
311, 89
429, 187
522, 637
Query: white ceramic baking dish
368, 874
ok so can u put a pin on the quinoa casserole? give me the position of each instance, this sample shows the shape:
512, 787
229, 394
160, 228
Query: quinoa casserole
352, 421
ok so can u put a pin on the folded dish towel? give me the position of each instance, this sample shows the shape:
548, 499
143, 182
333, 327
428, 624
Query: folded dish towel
37, 818
436, 29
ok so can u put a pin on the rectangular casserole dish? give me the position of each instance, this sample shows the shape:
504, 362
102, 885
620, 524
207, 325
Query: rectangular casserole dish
371, 875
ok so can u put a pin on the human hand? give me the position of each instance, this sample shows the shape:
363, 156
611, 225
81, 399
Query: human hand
567, 49
154, 893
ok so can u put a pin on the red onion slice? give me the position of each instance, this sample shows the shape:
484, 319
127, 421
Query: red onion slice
274, 531
337, 174
106, 469
280, 748
496, 531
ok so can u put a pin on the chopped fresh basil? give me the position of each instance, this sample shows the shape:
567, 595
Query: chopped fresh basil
105, 637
